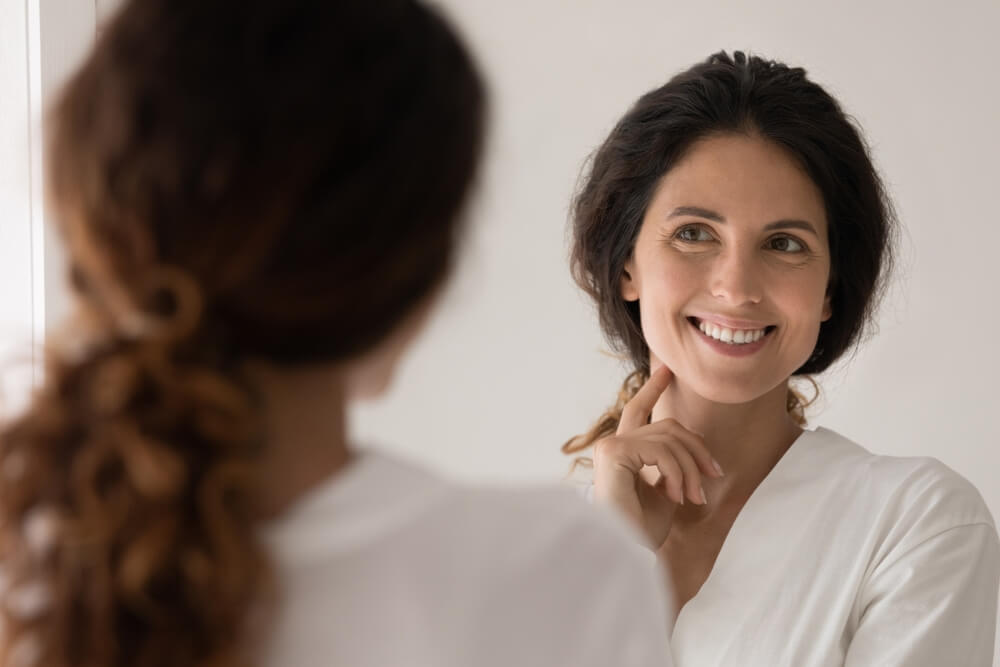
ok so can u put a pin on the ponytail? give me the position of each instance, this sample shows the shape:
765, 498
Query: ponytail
126, 523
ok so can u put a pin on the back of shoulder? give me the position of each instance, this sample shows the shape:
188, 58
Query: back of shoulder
538, 524
531, 575
462, 576
527, 541
570, 580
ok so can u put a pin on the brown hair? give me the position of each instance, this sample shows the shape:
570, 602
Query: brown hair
276, 180
731, 94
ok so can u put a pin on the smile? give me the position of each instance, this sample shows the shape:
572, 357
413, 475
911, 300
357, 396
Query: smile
730, 336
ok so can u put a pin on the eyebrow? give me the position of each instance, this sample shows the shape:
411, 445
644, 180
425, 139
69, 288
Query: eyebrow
699, 212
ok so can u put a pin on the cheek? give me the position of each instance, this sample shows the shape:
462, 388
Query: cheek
803, 305
661, 306
667, 279
812, 296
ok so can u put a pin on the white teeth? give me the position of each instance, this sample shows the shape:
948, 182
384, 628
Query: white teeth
731, 336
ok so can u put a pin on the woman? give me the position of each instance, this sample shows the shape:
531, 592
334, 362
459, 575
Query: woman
260, 201
734, 235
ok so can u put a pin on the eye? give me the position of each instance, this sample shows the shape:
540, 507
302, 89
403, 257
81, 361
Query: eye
786, 244
692, 234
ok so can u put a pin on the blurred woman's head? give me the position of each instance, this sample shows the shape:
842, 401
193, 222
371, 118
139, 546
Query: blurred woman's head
235, 182
301, 164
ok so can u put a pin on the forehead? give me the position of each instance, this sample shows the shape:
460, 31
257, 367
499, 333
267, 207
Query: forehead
747, 179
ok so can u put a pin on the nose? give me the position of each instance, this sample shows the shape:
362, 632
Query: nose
735, 278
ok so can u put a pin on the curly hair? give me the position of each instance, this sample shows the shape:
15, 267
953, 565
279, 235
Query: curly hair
234, 181
742, 95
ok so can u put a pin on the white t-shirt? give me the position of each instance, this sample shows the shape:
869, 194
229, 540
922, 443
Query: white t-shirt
842, 557
387, 565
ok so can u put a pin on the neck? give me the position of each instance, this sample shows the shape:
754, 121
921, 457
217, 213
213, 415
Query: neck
305, 424
747, 439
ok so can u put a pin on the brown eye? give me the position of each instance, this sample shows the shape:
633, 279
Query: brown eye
692, 234
786, 244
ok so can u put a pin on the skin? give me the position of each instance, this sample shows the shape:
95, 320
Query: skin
703, 411
304, 413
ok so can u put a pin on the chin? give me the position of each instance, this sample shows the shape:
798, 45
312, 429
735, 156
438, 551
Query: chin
727, 388
730, 395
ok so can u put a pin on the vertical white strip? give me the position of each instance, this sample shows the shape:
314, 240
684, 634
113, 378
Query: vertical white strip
16, 340
36, 180
60, 34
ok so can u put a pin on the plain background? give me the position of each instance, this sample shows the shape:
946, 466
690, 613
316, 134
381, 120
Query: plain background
513, 363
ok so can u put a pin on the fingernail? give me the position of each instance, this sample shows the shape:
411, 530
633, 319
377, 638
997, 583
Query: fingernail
704, 499
718, 468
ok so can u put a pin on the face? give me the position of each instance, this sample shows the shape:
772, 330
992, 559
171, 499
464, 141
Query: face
731, 268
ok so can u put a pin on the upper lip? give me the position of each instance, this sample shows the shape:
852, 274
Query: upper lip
732, 322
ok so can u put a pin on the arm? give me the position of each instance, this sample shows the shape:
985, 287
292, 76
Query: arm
935, 604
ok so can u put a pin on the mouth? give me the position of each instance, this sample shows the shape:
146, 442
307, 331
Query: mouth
730, 336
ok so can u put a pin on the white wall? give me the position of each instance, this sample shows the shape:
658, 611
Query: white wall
64, 32
17, 306
40, 42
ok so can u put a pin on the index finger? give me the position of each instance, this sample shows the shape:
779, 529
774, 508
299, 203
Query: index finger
637, 410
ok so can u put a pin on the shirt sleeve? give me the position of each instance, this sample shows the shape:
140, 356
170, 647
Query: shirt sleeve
935, 604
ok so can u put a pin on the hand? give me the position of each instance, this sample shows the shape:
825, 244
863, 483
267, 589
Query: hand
678, 456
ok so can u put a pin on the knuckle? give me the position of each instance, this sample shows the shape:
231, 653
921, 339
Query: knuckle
684, 459
670, 463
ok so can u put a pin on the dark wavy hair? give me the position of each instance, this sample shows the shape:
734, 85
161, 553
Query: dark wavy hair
276, 180
742, 95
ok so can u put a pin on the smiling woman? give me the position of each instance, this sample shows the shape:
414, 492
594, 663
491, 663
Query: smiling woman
734, 234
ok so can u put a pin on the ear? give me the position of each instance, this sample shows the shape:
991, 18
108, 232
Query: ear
629, 289
827, 309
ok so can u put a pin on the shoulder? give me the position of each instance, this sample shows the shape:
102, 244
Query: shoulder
912, 498
905, 481
570, 583
498, 575
550, 543
512, 527
571, 580
540, 523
